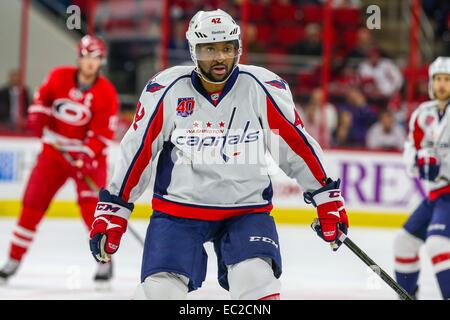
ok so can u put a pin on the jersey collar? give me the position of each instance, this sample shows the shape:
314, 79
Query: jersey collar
228, 85
84, 88
442, 114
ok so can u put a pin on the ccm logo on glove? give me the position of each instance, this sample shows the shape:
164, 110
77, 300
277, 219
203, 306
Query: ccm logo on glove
107, 207
334, 194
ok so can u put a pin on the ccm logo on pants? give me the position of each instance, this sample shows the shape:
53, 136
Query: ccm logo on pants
264, 239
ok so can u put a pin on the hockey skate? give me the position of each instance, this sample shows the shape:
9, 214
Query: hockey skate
103, 276
9, 269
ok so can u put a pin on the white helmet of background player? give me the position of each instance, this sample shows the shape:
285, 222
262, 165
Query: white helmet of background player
209, 27
440, 65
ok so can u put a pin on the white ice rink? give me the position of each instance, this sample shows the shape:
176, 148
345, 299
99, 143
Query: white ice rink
60, 266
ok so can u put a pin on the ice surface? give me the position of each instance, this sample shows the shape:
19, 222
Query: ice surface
59, 266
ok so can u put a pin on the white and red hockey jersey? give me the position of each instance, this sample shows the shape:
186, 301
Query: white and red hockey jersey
76, 120
429, 130
211, 147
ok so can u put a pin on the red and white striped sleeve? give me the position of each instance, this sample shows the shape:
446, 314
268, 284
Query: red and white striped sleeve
413, 143
139, 146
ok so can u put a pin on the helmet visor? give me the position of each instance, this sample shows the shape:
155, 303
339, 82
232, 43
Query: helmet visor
217, 51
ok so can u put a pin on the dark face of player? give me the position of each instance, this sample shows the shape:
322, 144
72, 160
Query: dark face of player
89, 66
216, 60
441, 86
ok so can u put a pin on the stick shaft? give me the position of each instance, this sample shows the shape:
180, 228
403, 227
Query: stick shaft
91, 183
377, 269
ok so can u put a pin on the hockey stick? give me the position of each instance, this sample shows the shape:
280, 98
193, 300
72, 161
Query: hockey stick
370, 263
93, 186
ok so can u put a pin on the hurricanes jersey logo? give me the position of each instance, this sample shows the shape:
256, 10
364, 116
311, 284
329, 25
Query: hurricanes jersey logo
71, 112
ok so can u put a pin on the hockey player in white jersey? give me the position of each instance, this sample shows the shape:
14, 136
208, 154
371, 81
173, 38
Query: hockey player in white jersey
208, 125
427, 154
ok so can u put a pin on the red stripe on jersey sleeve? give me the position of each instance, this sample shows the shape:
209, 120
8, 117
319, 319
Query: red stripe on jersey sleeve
296, 141
418, 134
145, 154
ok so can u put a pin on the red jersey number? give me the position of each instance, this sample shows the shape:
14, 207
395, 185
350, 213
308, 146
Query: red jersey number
140, 112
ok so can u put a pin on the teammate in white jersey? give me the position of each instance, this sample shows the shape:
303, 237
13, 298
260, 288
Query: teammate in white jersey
427, 154
210, 126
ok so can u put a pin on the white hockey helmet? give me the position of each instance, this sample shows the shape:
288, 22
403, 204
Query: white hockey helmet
440, 65
209, 27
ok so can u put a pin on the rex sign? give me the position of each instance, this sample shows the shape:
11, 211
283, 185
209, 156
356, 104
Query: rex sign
372, 181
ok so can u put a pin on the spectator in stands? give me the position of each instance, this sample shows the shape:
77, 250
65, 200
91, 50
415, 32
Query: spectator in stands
381, 78
362, 117
438, 11
190, 7
363, 43
341, 137
386, 134
346, 77
253, 46
311, 45
12, 114
312, 114
421, 77
178, 45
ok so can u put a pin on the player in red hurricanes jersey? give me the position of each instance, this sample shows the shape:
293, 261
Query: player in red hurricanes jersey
75, 113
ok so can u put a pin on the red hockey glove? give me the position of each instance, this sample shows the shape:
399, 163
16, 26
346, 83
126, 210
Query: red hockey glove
331, 212
111, 220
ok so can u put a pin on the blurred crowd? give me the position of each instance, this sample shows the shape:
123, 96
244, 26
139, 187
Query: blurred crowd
366, 103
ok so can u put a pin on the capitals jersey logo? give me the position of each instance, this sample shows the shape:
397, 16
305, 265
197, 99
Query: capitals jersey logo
153, 86
185, 107
280, 83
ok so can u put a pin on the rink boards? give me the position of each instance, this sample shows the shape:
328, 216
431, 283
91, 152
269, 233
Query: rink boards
376, 188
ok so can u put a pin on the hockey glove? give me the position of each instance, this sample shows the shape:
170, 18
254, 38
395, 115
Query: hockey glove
428, 164
111, 220
331, 212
